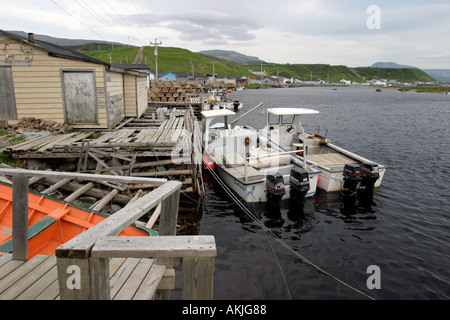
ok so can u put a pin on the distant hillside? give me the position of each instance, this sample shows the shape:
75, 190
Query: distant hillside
391, 65
67, 42
232, 56
442, 75
335, 73
170, 59
399, 74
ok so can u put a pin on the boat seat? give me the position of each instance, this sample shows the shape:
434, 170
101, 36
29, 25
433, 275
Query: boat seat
232, 160
267, 161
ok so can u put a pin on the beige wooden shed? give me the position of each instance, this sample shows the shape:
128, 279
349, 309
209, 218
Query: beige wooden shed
42, 80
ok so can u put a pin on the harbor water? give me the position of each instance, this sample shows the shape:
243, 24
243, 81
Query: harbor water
404, 232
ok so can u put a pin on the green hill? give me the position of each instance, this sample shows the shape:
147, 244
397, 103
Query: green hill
179, 60
171, 59
336, 73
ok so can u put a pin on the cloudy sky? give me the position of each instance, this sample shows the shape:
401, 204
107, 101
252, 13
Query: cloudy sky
344, 32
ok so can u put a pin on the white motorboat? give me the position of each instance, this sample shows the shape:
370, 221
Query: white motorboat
220, 100
340, 169
246, 162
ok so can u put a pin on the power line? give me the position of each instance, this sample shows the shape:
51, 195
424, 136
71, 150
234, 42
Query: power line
99, 18
78, 20
123, 20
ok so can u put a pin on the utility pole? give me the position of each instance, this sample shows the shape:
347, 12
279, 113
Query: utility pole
260, 85
214, 71
156, 43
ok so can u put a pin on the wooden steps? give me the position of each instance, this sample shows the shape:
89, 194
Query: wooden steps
36, 279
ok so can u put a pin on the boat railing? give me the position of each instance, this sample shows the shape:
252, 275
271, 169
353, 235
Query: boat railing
83, 261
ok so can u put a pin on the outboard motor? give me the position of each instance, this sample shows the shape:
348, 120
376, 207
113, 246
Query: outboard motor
370, 174
275, 187
352, 176
299, 180
236, 105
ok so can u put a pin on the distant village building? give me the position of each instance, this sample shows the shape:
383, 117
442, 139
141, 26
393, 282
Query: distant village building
272, 81
42, 80
168, 76
313, 82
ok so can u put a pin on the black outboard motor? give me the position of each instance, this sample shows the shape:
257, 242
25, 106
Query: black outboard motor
275, 187
236, 105
352, 176
299, 180
370, 174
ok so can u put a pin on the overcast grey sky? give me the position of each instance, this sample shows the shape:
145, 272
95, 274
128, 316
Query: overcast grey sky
342, 32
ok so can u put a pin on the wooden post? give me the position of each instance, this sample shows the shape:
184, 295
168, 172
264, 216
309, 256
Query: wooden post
169, 214
20, 217
74, 278
198, 278
168, 227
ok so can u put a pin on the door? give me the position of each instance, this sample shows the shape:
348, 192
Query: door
8, 109
80, 98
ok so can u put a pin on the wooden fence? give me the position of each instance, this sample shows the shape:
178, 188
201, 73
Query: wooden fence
87, 255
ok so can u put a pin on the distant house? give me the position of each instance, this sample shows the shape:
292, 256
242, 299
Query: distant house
272, 80
242, 80
168, 76
313, 82
42, 80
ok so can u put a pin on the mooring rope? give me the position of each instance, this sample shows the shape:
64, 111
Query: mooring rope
280, 241
257, 221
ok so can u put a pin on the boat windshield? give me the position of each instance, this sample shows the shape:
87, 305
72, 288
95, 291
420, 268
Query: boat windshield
273, 118
287, 119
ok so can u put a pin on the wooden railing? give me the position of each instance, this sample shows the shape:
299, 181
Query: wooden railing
86, 256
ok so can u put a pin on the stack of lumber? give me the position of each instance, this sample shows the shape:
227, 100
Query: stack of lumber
174, 92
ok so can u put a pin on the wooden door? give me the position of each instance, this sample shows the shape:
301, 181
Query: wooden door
8, 109
80, 98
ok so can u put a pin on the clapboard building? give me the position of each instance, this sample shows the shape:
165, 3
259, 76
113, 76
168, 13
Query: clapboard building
42, 80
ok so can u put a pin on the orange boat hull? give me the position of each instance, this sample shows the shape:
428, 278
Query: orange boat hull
51, 222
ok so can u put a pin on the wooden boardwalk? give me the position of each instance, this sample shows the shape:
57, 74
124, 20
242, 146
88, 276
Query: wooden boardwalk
37, 279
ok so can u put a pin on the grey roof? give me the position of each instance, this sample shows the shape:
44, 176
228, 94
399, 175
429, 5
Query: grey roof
55, 50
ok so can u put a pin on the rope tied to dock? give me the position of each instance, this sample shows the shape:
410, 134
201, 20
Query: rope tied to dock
280, 241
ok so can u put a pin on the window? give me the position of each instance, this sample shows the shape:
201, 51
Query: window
273, 119
287, 119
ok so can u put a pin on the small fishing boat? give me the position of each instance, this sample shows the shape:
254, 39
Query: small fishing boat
245, 161
220, 100
340, 169
51, 222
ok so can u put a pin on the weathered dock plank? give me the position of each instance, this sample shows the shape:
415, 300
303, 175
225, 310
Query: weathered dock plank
36, 279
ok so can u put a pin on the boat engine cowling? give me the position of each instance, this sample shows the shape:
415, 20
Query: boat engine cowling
275, 185
352, 176
299, 179
236, 105
370, 174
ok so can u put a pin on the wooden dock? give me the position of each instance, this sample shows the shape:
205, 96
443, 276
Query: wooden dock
160, 144
99, 265
37, 279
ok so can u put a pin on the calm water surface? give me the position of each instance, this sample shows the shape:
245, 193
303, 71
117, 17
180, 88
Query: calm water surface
405, 231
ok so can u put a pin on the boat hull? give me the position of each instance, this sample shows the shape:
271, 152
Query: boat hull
255, 191
331, 181
331, 178
51, 222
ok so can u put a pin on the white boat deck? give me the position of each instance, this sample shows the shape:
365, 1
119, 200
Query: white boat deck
330, 159
239, 173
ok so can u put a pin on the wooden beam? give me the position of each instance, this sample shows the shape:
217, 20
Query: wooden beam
80, 176
20, 217
80, 246
158, 247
